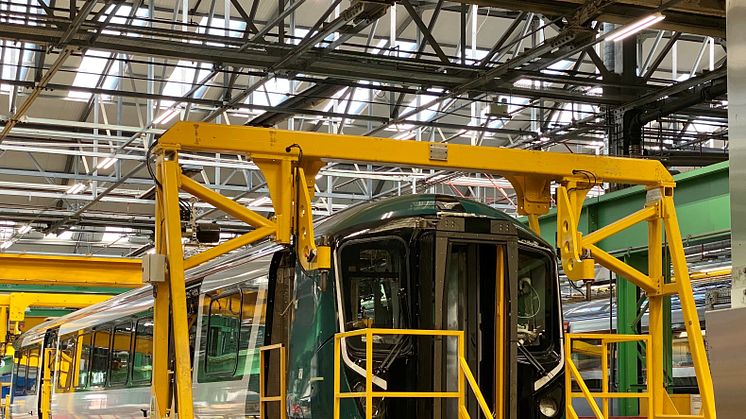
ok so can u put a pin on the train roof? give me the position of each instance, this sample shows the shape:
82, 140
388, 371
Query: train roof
378, 211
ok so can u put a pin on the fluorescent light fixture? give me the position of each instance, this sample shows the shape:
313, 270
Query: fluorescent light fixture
6, 244
106, 163
633, 28
165, 117
24, 230
76, 189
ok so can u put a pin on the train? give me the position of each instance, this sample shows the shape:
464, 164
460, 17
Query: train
421, 261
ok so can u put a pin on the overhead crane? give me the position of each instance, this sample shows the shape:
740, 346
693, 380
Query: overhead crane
290, 160
50, 271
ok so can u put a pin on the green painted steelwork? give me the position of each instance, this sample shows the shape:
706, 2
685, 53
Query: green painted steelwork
60, 289
628, 363
702, 204
47, 312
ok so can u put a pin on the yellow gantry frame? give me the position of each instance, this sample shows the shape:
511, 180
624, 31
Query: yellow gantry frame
13, 308
83, 271
289, 161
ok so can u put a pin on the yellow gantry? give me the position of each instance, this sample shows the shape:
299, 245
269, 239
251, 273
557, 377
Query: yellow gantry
13, 308
85, 271
290, 160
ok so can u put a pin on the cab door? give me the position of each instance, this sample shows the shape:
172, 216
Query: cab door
474, 267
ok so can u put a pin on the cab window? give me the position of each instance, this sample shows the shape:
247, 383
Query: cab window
374, 272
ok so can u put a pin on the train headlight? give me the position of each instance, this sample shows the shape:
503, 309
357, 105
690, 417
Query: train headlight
548, 407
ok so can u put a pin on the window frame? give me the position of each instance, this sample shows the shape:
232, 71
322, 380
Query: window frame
128, 373
96, 331
345, 283
77, 375
209, 337
35, 384
140, 383
73, 364
20, 392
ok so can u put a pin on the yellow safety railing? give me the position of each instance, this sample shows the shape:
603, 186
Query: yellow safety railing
464, 373
572, 373
280, 398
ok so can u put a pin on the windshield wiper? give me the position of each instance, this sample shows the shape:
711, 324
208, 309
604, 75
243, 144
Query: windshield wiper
531, 359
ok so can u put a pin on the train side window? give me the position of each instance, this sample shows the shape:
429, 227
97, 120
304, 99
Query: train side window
120, 354
142, 361
223, 332
33, 369
66, 364
21, 368
100, 357
83, 356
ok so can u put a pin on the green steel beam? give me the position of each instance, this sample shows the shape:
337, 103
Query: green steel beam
628, 365
61, 289
47, 312
702, 204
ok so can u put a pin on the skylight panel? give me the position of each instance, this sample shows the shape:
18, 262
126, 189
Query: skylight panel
271, 93
341, 101
10, 70
89, 72
121, 16
217, 27
178, 84
423, 99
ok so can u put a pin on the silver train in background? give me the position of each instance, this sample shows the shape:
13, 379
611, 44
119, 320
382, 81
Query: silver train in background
103, 353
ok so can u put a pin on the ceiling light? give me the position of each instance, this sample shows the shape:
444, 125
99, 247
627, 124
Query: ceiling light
633, 28
166, 116
25, 229
76, 189
106, 163
6, 244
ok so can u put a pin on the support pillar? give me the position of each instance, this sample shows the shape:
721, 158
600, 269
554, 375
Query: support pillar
628, 362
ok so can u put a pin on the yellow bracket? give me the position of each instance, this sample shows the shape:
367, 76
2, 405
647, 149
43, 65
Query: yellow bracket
569, 205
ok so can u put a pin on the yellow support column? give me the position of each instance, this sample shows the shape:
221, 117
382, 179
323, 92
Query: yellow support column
45, 404
655, 322
689, 309
161, 381
170, 172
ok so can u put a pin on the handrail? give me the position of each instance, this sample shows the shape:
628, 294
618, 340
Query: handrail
605, 395
280, 398
464, 373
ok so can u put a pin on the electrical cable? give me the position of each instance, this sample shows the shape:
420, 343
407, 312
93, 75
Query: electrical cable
148, 156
